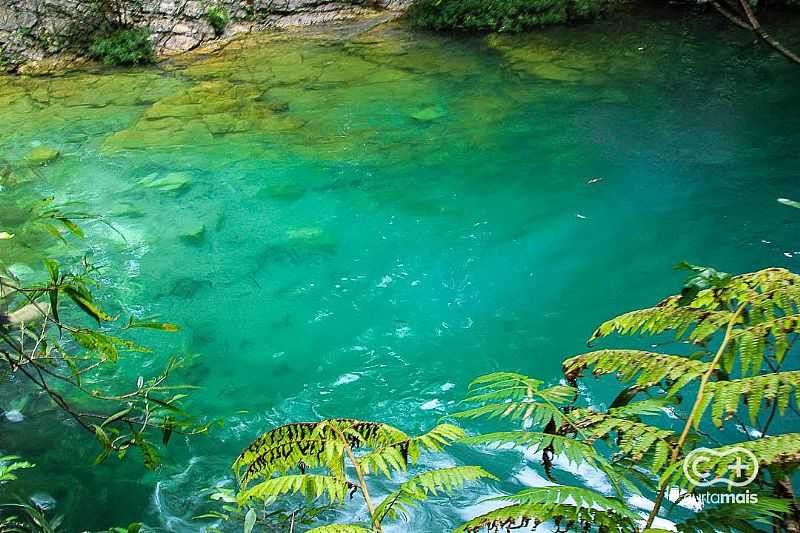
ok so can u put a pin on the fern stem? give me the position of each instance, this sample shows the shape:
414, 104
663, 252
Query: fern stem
676, 451
361, 481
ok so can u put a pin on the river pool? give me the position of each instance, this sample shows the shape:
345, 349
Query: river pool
351, 224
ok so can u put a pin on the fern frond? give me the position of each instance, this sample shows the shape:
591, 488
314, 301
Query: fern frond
340, 528
750, 341
735, 517
646, 369
650, 406
636, 440
508, 386
564, 494
396, 455
311, 485
517, 397
310, 443
536, 413
762, 289
773, 451
434, 482
576, 451
667, 316
725, 396
569, 518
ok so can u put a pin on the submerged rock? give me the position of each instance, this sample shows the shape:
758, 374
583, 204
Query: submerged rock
14, 416
283, 191
175, 182
194, 236
429, 113
312, 238
187, 287
43, 501
125, 209
42, 156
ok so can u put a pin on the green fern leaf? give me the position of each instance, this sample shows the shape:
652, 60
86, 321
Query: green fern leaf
312, 444
781, 451
564, 494
420, 487
646, 369
311, 485
725, 396
396, 456
569, 518
736, 517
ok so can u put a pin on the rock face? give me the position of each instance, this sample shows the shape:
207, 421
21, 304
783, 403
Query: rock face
37, 30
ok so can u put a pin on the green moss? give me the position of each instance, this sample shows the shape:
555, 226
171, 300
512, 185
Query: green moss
124, 47
501, 15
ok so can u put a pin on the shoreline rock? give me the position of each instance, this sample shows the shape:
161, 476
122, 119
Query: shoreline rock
37, 38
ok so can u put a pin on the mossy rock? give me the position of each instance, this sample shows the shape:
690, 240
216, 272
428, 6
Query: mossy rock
312, 238
429, 113
194, 235
283, 191
173, 182
125, 210
42, 156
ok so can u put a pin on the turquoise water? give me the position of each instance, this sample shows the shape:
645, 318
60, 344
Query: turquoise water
362, 223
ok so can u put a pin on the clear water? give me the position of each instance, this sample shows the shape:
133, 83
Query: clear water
371, 220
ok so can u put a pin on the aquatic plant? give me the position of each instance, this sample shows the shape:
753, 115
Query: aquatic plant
742, 329
218, 18
123, 47
312, 459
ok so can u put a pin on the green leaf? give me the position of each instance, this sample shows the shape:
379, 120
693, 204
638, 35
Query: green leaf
104, 441
166, 431
150, 454
250, 521
72, 227
163, 326
83, 299
419, 487
53, 270
116, 416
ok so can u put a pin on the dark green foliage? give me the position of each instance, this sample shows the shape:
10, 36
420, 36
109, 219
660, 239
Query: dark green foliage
741, 329
501, 15
124, 47
218, 18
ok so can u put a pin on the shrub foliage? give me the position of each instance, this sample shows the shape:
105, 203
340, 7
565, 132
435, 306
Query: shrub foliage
124, 47
501, 15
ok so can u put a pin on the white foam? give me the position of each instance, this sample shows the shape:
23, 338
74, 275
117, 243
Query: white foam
346, 378
433, 404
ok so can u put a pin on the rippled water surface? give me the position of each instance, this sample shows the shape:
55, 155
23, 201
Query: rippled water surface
357, 224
